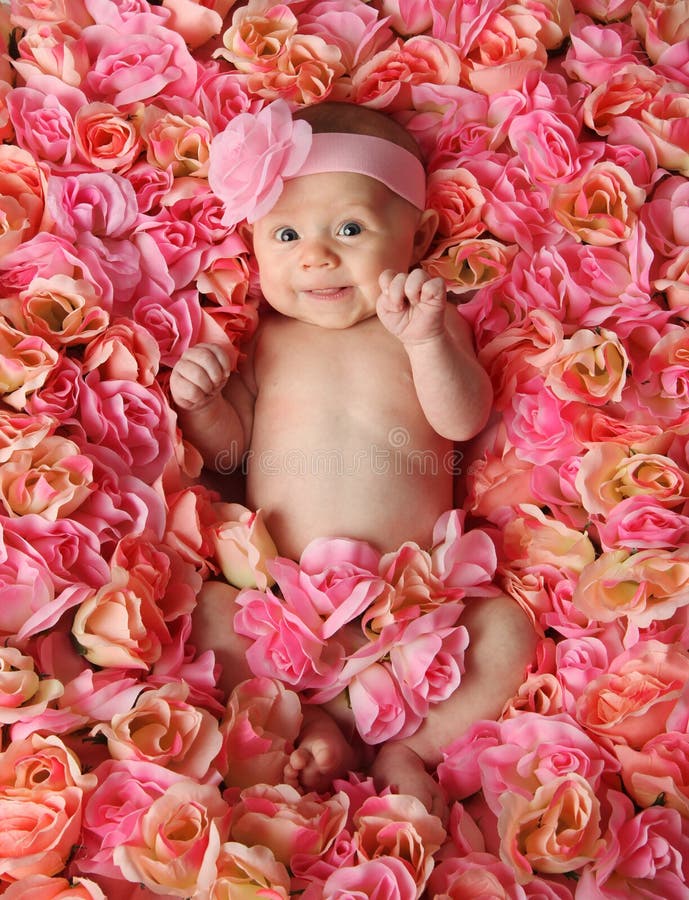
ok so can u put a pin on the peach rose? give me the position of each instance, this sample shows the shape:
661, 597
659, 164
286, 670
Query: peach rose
357, 29
258, 36
673, 280
162, 727
504, 51
591, 368
385, 81
665, 121
288, 822
42, 763
45, 887
62, 310
259, 729
178, 142
557, 830
252, 872
51, 479
106, 137
457, 197
23, 694
660, 25
22, 197
305, 73
40, 830
611, 472
471, 264
600, 207
597, 51
121, 626
22, 432
622, 97
57, 50
631, 702
25, 363
242, 546
177, 842
660, 769
643, 586
398, 826
195, 21
125, 351
407, 17
533, 540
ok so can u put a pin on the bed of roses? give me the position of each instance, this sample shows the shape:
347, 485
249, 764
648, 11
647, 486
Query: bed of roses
556, 136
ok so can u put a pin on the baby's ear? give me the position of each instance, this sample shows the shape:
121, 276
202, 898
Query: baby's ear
246, 233
425, 232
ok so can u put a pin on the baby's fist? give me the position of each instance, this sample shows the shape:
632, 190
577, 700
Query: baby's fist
199, 376
412, 305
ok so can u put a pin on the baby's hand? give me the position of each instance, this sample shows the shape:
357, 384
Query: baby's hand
412, 306
198, 376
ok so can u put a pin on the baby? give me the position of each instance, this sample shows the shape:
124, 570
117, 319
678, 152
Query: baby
359, 380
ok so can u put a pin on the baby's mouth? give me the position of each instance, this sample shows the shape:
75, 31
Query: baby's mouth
328, 293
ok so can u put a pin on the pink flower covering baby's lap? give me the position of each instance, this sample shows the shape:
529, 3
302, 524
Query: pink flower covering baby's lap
556, 138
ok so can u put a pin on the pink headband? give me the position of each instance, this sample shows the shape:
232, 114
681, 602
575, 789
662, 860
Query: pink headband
256, 153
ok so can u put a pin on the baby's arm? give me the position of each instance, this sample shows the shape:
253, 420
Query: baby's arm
453, 388
215, 411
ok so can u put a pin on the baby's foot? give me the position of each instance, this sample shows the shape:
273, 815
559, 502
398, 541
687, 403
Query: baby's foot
398, 767
321, 753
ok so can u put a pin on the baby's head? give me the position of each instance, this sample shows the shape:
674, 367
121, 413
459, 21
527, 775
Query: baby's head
347, 207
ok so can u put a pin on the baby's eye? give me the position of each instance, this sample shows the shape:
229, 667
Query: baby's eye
349, 229
286, 234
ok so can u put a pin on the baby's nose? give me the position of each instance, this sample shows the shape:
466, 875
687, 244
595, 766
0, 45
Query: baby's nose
317, 252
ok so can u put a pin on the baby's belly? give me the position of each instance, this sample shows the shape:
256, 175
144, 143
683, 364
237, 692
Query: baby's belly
385, 494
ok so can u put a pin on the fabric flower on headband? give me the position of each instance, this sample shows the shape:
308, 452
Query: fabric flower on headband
252, 156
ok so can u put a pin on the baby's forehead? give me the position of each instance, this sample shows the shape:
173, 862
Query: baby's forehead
333, 189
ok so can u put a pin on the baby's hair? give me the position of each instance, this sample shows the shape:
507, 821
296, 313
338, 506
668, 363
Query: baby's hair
351, 118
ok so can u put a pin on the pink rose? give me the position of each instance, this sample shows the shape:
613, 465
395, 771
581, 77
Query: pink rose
99, 203
22, 196
475, 875
269, 138
259, 729
597, 50
157, 55
174, 321
386, 878
45, 887
356, 29
407, 17
52, 479
533, 540
663, 216
174, 849
386, 79
243, 546
163, 727
642, 522
286, 821
645, 853
43, 118
463, 558
398, 826
114, 810
659, 27
106, 137
630, 702
59, 395
221, 95
379, 709
548, 143
131, 419
456, 196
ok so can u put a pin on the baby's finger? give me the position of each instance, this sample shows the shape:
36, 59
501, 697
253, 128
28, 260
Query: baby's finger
394, 297
433, 292
414, 284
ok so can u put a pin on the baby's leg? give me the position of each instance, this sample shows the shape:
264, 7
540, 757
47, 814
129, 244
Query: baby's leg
502, 644
212, 628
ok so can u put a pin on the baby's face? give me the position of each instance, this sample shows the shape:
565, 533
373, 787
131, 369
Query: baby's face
323, 246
